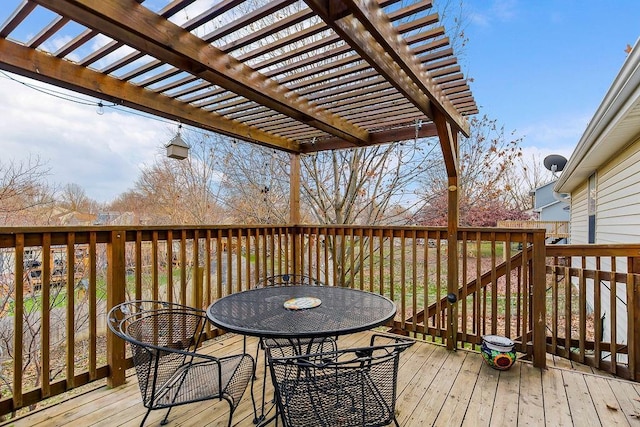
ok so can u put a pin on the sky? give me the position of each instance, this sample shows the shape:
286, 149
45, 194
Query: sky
540, 68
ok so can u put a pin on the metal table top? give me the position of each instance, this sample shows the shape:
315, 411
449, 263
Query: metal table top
262, 313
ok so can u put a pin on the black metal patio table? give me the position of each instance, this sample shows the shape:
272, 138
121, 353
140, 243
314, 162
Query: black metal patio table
300, 314
300, 311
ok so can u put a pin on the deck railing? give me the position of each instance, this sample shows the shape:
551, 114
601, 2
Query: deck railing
594, 300
53, 335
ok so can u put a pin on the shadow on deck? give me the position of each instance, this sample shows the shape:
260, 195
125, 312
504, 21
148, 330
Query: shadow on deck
435, 387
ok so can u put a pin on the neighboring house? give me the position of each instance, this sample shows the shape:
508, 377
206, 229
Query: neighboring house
547, 207
549, 212
116, 218
552, 211
602, 180
76, 218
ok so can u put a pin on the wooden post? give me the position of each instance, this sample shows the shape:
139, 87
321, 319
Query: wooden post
294, 212
539, 306
634, 316
449, 144
116, 283
452, 263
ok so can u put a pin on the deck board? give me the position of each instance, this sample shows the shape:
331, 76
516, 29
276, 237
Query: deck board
530, 403
556, 404
455, 406
435, 387
505, 404
480, 408
605, 400
580, 400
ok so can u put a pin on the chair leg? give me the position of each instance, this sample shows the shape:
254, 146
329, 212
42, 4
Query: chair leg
256, 420
166, 418
145, 417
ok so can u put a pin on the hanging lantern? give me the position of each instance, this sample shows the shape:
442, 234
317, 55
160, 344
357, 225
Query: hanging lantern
177, 148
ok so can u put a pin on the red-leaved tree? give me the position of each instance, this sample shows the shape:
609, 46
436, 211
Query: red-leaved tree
485, 159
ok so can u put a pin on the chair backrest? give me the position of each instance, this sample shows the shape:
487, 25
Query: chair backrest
160, 335
348, 387
288, 280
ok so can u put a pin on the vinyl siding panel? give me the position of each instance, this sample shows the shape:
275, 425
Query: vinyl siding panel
579, 224
618, 203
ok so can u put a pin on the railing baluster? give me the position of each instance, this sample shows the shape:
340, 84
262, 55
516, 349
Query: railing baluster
238, 247
613, 307
70, 305
438, 283
425, 286
183, 267
597, 309
138, 264
45, 335
90, 263
414, 280
507, 278
155, 275
219, 288
582, 314
495, 294
480, 294
567, 312
18, 319
463, 295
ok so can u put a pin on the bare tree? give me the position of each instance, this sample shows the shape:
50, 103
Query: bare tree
74, 198
255, 184
181, 192
526, 175
25, 197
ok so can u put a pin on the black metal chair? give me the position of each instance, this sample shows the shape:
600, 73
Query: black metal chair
164, 338
349, 387
290, 347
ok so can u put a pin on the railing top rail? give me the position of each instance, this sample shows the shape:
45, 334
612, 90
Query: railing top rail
630, 250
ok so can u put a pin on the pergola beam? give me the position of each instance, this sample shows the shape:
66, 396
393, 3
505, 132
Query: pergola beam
141, 29
49, 69
384, 137
363, 25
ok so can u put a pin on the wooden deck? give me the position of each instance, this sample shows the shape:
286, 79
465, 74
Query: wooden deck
435, 387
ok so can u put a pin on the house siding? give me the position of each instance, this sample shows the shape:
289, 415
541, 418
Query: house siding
618, 210
579, 218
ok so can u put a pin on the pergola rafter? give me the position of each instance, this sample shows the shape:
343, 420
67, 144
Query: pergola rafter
281, 73
148, 32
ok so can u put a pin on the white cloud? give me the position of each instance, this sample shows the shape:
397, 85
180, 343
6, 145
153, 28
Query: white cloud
499, 11
557, 133
504, 10
102, 153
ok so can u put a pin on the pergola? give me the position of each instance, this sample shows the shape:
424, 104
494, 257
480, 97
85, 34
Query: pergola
298, 76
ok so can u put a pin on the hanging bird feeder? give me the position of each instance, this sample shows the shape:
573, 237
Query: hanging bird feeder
177, 148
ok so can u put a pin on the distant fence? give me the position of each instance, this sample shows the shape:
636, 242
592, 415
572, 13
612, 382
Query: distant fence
554, 229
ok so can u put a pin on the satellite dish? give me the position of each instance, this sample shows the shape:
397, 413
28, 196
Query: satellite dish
555, 162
